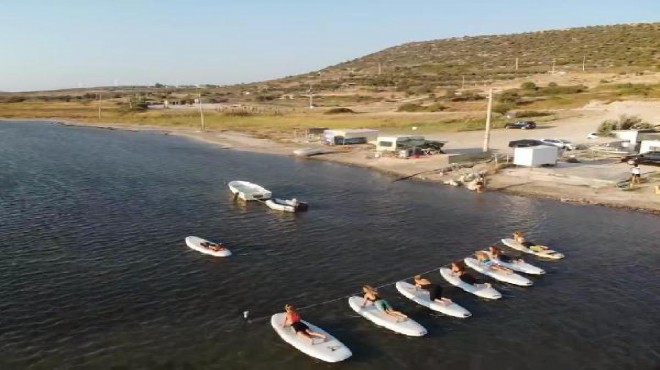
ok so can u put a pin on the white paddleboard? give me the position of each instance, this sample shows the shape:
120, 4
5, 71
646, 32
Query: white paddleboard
371, 313
519, 266
482, 291
422, 297
547, 253
330, 350
196, 243
505, 276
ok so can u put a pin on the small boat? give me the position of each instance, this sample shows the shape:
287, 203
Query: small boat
308, 152
249, 191
286, 205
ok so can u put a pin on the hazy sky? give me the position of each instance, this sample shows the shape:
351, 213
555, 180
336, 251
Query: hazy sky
49, 44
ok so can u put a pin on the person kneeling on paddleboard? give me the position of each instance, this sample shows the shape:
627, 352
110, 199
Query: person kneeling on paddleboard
518, 236
298, 326
435, 291
371, 294
484, 260
458, 270
497, 253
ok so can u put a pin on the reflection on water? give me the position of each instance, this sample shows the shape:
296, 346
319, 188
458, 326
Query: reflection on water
96, 273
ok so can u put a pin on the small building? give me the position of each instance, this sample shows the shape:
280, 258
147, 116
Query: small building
394, 143
535, 156
649, 146
349, 136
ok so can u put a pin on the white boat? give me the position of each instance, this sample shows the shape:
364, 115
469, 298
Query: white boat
330, 350
286, 205
195, 243
421, 297
481, 290
308, 152
249, 191
541, 252
370, 312
518, 265
505, 276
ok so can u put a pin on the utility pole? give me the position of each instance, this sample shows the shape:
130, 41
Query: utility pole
311, 97
487, 134
553, 66
99, 106
584, 60
463, 84
516, 64
201, 111
380, 69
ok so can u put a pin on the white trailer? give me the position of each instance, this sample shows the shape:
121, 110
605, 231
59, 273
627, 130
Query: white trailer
535, 156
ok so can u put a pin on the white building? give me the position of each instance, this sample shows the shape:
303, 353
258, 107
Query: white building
535, 156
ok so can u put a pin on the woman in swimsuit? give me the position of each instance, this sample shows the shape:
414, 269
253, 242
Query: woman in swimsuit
484, 260
459, 271
371, 294
496, 253
518, 236
435, 291
293, 318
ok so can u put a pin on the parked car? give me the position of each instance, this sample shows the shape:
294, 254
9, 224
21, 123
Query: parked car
593, 135
559, 143
525, 143
523, 125
645, 158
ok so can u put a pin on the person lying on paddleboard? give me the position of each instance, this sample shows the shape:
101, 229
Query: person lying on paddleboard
435, 291
458, 270
518, 236
371, 294
293, 318
496, 253
484, 260
213, 246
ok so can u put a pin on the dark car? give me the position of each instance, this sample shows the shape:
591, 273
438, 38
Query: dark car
525, 143
646, 158
523, 125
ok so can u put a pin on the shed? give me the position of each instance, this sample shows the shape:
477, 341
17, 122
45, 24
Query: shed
649, 146
535, 156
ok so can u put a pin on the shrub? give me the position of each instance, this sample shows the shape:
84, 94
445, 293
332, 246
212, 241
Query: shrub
606, 127
339, 111
624, 122
503, 108
509, 96
528, 85
532, 113
435, 107
410, 107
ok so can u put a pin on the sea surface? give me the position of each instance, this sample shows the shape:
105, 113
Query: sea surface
94, 272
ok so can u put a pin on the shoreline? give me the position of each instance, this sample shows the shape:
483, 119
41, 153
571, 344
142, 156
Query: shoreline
430, 169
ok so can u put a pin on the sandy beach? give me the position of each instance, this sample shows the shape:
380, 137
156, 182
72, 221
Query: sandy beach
590, 182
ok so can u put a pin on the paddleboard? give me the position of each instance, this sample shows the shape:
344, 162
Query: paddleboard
505, 276
520, 266
483, 291
370, 312
547, 253
330, 350
195, 243
421, 296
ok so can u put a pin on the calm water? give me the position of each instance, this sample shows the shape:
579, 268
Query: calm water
94, 272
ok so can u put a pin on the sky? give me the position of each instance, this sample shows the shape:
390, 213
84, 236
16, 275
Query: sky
52, 44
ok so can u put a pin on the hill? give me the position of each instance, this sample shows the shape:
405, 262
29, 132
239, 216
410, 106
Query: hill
421, 66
